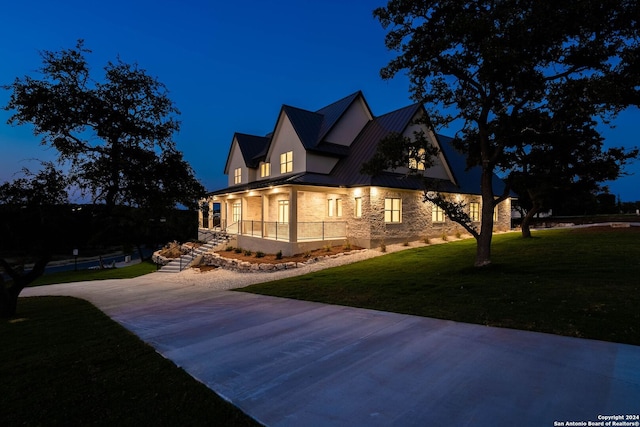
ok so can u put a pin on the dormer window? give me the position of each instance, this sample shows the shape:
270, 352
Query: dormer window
237, 176
286, 162
265, 170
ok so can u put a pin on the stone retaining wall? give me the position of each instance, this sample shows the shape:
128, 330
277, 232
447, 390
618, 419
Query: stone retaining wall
214, 259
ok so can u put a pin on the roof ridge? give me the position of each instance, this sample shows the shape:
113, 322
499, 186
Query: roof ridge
353, 95
412, 106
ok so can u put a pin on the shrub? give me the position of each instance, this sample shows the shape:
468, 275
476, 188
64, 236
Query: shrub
279, 255
347, 246
405, 244
247, 252
327, 248
238, 250
383, 247
229, 248
259, 254
458, 234
426, 240
444, 236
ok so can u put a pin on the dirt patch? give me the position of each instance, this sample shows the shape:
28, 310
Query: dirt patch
272, 259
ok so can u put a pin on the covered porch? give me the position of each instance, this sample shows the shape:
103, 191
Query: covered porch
290, 219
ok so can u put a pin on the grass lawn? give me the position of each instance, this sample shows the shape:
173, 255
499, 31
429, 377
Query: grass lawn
574, 282
128, 272
66, 363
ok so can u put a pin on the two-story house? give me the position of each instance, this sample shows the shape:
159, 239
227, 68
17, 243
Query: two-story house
300, 187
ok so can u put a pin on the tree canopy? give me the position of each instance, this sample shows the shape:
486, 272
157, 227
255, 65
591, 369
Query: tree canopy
114, 139
506, 71
115, 134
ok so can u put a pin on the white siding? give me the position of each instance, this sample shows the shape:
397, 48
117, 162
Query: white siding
286, 139
350, 124
236, 161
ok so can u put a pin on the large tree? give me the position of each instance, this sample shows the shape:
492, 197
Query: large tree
113, 136
31, 196
491, 65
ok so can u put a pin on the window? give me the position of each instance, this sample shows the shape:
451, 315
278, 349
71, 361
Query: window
417, 160
330, 207
283, 211
265, 169
392, 210
474, 211
237, 212
286, 162
437, 214
495, 214
237, 176
338, 207
358, 207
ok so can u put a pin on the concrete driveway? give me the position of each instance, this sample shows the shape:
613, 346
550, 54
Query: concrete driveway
294, 363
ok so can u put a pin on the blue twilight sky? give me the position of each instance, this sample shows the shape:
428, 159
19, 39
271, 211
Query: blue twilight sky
229, 66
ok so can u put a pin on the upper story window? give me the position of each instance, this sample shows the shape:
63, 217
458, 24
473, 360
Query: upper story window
392, 210
265, 170
339, 208
237, 176
474, 211
286, 162
495, 213
417, 159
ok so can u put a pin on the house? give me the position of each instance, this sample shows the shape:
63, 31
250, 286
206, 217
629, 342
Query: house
300, 187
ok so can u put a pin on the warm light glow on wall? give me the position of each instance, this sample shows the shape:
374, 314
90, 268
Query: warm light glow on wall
357, 192
374, 191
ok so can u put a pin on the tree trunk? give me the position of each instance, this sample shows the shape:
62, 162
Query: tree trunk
483, 242
526, 221
9, 295
8, 300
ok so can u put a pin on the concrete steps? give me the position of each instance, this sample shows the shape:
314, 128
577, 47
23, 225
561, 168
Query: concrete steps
185, 261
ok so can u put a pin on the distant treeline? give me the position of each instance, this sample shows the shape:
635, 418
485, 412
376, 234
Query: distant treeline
89, 228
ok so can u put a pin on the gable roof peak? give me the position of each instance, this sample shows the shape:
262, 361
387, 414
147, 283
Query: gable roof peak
334, 111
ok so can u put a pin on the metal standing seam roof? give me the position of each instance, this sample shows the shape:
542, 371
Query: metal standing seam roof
333, 112
311, 127
251, 146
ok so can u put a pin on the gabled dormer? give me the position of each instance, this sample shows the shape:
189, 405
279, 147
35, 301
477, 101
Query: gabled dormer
307, 141
344, 119
244, 159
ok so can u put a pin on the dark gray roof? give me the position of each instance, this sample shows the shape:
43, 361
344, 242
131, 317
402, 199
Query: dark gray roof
253, 148
333, 112
306, 124
312, 127
365, 145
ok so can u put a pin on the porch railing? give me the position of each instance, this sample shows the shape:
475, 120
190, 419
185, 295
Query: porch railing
307, 231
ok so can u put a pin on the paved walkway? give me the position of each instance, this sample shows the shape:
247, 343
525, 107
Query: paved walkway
294, 363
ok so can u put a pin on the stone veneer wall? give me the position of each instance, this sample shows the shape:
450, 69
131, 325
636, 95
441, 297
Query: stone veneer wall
371, 230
